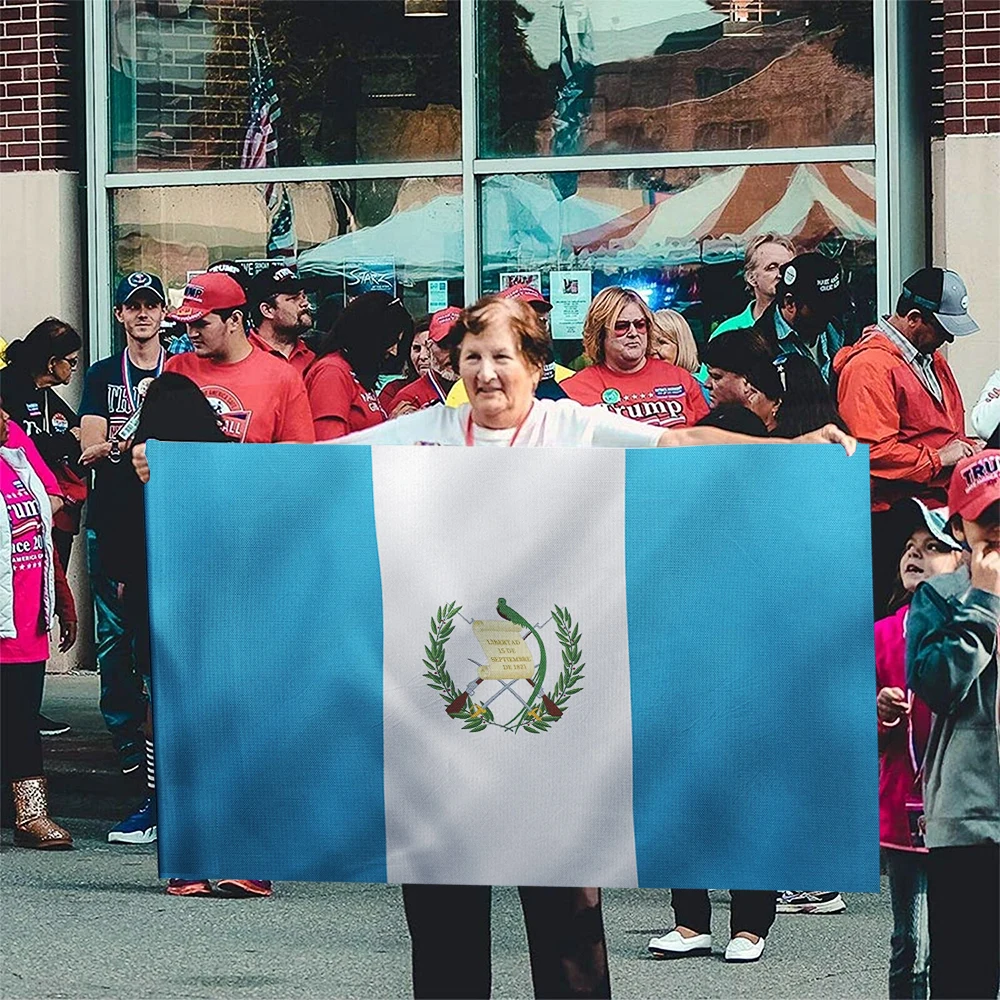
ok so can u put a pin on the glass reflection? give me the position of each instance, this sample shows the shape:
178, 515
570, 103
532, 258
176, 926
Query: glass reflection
678, 235
633, 76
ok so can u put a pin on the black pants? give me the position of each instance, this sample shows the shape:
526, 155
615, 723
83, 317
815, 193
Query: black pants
20, 700
751, 911
450, 933
963, 916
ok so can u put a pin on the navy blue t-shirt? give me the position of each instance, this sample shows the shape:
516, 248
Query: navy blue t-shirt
106, 395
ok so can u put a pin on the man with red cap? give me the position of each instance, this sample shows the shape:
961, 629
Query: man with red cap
434, 385
951, 664
259, 398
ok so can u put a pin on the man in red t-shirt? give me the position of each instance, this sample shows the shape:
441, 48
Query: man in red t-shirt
434, 385
281, 316
259, 398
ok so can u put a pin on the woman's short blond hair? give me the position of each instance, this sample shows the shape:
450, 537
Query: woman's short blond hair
601, 316
528, 328
672, 326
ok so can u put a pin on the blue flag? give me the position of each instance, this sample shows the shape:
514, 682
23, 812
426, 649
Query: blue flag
514, 666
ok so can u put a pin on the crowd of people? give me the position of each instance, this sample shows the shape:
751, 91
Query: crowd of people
250, 368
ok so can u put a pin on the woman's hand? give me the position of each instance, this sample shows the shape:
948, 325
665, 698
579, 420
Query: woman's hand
139, 462
892, 705
829, 434
67, 634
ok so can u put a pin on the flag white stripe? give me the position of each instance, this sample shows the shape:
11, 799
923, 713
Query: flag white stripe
446, 787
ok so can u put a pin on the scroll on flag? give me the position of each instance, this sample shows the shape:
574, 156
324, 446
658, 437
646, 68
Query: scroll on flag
597, 667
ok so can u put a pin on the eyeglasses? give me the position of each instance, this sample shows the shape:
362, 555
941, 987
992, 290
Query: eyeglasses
72, 362
622, 326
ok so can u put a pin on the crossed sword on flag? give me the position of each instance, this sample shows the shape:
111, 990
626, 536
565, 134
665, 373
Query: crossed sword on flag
505, 611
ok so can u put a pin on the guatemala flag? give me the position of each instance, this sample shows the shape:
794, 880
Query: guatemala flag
514, 666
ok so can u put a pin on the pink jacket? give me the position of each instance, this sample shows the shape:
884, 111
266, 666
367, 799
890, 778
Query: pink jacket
897, 781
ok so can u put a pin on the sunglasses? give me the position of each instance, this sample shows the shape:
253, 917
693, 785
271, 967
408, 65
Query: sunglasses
72, 362
622, 326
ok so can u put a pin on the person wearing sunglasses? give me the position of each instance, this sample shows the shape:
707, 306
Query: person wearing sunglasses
48, 357
623, 375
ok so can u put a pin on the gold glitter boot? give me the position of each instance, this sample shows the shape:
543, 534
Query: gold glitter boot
32, 826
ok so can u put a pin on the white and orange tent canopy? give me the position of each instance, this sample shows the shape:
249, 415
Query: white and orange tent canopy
713, 220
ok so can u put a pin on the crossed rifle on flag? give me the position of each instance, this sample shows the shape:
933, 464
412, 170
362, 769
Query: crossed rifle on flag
507, 613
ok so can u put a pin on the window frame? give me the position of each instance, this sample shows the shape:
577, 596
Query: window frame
902, 213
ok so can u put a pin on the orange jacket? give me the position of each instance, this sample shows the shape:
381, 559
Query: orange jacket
886, 406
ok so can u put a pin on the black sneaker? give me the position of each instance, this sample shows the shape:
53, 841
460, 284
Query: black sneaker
46, 727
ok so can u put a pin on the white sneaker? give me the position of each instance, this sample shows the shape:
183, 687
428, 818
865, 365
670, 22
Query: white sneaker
675, 945
741, 949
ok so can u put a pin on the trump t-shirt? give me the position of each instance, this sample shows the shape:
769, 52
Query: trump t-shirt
660, 394
259, 400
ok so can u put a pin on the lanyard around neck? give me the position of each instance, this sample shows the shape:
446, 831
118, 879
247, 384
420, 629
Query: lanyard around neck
127, 377
470, 440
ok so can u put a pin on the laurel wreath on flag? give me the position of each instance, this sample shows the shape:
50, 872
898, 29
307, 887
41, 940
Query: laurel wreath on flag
476, 717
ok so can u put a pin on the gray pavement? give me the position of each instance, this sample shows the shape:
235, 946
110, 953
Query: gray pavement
94, 922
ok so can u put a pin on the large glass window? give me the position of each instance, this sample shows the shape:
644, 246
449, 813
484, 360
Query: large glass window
614, 76
206, 84
675, 235
401, 236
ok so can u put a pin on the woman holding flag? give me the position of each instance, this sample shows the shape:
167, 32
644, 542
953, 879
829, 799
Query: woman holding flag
499, 348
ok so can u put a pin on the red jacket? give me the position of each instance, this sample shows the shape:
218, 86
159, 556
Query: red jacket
886, 406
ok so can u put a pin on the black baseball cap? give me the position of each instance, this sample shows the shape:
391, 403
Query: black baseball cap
280, 279
139, 281
812, 278
236, 271
944, 294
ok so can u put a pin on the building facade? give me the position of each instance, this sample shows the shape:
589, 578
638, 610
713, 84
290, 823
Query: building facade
443, 148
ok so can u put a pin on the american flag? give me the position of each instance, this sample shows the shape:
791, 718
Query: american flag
281, 241
260, 149
570, 106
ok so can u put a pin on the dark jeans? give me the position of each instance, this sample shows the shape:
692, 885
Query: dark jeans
20, 700
963, 913
450, 934
123, 704
910, 955
751, 911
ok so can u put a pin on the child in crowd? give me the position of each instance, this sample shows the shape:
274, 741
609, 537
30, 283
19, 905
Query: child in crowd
903, 727
951, 663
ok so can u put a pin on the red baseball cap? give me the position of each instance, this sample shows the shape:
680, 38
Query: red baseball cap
441, 323
529, 294
975, 484
207, 293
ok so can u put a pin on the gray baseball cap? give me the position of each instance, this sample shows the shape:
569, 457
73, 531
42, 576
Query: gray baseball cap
944, 294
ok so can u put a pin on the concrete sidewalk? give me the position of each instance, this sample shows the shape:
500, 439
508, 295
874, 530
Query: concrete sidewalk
85, 781
94, 922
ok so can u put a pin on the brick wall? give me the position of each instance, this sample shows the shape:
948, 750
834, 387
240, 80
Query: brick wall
971, 70
190, 87
40, 85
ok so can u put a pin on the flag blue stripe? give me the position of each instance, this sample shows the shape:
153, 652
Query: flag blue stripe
282, 772
734, 716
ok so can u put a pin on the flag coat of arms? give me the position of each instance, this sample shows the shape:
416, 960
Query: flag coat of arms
519, 666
